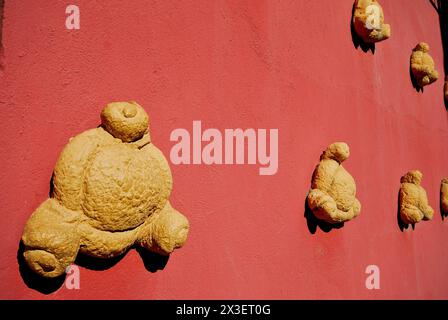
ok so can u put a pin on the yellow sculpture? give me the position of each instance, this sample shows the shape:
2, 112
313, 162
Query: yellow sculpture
422, 65
110, 191
444, 196
333, 189
368, 21
414, 205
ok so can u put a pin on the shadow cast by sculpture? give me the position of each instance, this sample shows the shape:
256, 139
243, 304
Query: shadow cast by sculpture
357, 41
312, 222
331, 200
442, 214
153, 262
401, 225
441, 7
414, 81
97, 264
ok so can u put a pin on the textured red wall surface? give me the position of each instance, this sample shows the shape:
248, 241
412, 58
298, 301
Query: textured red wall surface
289, 65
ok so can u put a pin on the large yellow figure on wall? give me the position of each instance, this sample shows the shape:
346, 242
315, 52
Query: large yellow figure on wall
111, 187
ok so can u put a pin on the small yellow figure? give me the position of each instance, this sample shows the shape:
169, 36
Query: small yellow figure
414, 205
332, 197
422, 66
444, 196
368, 21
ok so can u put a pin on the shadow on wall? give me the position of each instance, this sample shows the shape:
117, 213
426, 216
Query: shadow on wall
441, 6
357, 41
312, 222
403, 226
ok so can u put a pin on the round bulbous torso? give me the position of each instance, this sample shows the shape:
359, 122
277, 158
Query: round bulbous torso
124, 185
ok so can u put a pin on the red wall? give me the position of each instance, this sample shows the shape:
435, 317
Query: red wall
289, 65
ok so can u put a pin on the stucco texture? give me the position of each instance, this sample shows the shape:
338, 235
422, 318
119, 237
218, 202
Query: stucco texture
290, 65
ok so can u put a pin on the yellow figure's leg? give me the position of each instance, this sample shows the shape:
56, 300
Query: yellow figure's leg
50, 239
